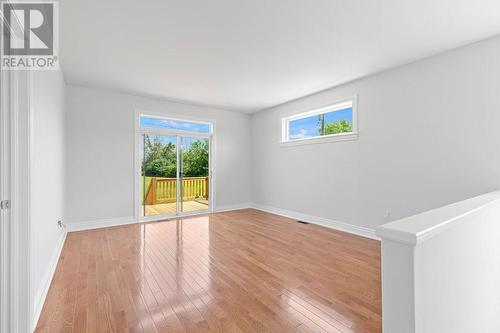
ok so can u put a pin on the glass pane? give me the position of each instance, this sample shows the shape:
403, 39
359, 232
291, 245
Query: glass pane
158, 175
195, 187
178, 125
328, 123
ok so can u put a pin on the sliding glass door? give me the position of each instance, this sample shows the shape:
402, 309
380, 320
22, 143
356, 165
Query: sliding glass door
158, 182
174, 170
194, 174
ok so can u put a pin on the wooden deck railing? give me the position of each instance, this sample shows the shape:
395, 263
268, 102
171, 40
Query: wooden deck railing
163, 190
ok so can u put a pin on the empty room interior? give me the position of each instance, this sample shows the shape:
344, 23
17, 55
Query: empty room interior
250, 166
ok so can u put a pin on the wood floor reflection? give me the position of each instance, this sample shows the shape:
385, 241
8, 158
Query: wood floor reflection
240, 271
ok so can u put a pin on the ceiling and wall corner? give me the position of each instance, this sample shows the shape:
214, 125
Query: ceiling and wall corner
252, 55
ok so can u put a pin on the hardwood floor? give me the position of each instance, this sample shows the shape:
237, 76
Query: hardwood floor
239, 271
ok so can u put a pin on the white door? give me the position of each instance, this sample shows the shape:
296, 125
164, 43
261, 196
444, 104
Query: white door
4, 197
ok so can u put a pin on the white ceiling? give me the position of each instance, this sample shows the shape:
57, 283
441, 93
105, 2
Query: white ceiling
248, 55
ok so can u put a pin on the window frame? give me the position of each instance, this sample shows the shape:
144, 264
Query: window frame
172, 131
330, 107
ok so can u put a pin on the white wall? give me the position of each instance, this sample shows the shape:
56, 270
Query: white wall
458, 289
429, 134
100, 152
47, 186
441, 270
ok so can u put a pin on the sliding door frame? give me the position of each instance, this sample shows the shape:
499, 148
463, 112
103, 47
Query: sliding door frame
138, 135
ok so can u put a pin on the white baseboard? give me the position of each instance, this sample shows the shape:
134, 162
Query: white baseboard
41, 294
102, 223
112, 222
227, 208
337, 225
342, 226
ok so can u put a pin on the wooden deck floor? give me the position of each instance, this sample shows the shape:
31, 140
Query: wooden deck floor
240, 271
169, 208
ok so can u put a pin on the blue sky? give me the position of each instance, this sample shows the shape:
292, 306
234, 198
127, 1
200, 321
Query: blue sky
186, 142
150, 122
165, 139
308, 127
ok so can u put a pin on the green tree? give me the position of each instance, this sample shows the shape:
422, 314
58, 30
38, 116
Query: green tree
339, 126
159, 158
195, 159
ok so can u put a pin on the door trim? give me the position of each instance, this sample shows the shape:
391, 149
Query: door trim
17, 305
138, 132
5, 178
16, 108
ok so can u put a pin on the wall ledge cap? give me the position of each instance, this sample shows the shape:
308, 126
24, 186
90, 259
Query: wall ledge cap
420, 227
